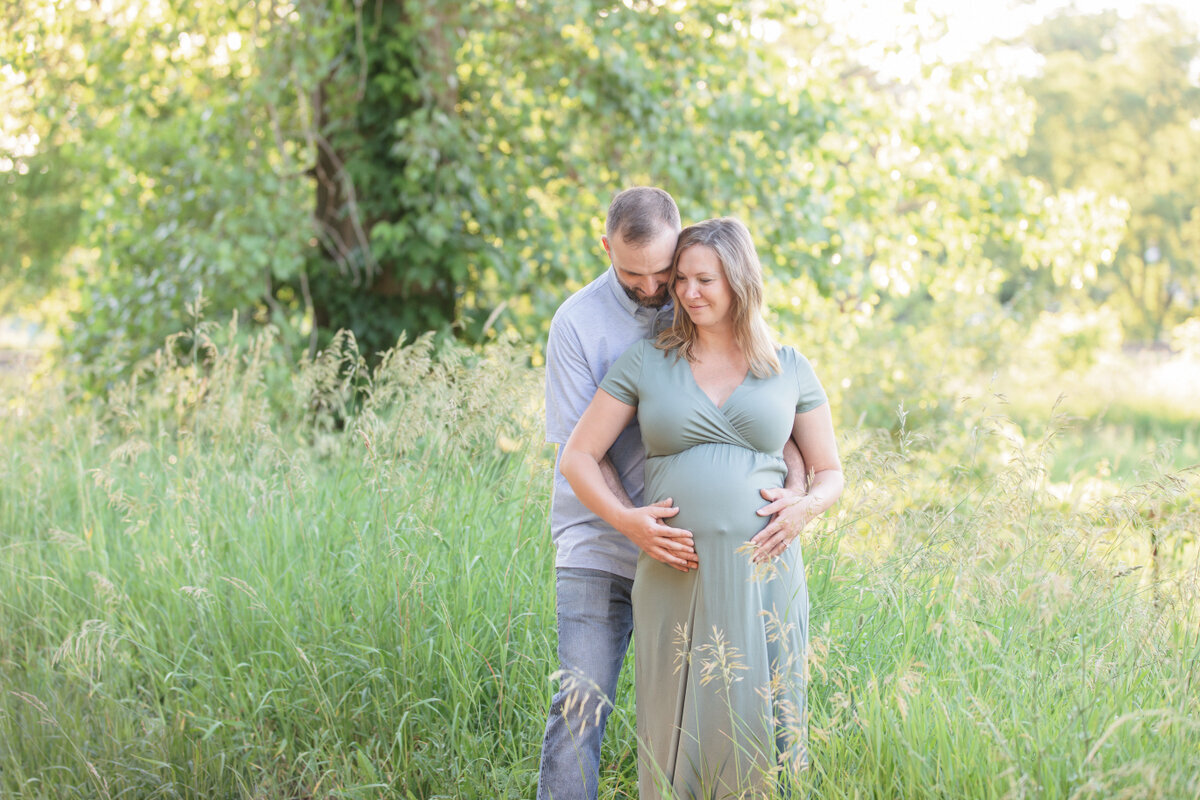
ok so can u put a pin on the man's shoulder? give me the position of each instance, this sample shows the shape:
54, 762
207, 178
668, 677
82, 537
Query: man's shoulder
584, 304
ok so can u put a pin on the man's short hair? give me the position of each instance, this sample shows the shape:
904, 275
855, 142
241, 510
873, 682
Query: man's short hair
639, 214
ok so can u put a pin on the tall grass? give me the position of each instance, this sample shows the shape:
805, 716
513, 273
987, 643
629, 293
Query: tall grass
1123, 413
233, 577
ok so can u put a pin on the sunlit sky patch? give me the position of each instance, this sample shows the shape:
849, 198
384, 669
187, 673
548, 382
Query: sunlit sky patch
889, 33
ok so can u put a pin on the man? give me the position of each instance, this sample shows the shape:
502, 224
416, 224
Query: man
595, 563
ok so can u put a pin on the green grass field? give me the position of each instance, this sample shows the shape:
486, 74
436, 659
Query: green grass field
236, 578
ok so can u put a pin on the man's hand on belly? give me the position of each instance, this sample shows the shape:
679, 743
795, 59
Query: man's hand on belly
672, 546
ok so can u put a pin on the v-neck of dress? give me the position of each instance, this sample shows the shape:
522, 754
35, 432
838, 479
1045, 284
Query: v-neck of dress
718, 406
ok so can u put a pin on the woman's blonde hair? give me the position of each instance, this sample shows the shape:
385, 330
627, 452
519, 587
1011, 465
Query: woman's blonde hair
730, 240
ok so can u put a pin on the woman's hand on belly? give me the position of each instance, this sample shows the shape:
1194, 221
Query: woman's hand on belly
801, 509
788, 516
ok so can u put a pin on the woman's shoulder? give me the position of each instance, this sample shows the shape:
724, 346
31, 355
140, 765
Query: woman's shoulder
663, 351
793, 361
638, 355
640, 351
631, 356
788, 354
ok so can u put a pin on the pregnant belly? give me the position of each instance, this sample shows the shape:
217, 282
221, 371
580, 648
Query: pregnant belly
715, 487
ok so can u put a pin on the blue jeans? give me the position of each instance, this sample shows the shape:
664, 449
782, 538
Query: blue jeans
595, 620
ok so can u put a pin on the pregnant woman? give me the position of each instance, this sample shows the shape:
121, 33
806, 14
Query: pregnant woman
719, 650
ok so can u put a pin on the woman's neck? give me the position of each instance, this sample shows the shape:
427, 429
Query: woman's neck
716, 342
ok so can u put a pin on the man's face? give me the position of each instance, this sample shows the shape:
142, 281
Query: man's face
643, 271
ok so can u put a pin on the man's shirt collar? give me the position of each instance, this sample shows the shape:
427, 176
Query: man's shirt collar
628, 303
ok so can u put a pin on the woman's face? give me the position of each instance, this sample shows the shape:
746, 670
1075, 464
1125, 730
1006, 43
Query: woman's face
702, 289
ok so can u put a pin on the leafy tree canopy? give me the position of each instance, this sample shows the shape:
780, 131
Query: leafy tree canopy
1119, 114
412, 166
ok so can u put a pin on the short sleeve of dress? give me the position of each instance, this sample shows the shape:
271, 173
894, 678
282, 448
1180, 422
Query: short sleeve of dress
811, 394
624, 376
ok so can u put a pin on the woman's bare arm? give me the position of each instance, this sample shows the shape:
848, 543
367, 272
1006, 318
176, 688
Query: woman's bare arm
813, 432
600, 425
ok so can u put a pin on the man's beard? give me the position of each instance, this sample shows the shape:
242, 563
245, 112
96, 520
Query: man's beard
656, 301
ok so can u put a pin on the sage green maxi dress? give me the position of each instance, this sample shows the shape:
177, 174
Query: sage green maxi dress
719, 650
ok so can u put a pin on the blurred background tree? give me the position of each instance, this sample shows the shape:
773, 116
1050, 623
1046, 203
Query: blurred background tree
166, 148
1118, 113
383, 168
399, 167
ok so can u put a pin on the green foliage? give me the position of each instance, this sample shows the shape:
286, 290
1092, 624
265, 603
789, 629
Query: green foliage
180, 175
383, 168
1117, 104
397, 168
913, 271
392, 169
561, 107
41, 222
394, 180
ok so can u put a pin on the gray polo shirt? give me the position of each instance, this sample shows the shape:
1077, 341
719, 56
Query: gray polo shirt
589, 331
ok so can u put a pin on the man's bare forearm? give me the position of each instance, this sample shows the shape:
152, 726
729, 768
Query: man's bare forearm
599, 489
797, 474
613, 480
